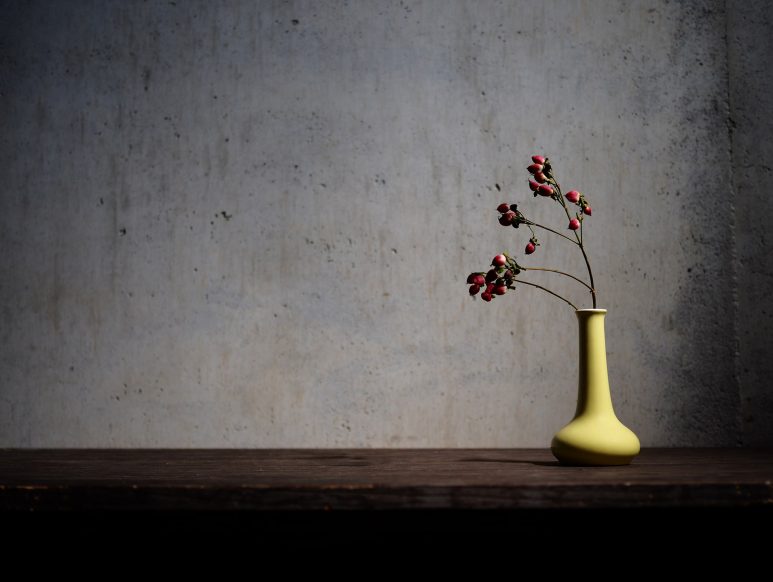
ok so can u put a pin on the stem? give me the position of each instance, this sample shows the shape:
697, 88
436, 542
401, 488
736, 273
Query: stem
556, 271
549, 291
590, 273
579, 239
529, 222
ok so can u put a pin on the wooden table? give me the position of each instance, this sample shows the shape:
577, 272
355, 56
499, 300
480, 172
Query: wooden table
281, 492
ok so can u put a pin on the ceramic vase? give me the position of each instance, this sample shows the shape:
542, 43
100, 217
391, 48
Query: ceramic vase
594, 436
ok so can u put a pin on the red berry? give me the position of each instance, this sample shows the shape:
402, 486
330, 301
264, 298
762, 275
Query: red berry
491, 276
499, 261
471, 278
535, 168
540, 177
574, 224
530, 248
545, 190
479, 280
538, 159
573, 196
474, 289
587, 210
500, 290
533, 185
485, 296
504, 207
490, 288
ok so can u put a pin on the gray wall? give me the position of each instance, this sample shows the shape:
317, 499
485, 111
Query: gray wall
249, 224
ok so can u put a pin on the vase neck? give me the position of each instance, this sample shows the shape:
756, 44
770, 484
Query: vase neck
593, 396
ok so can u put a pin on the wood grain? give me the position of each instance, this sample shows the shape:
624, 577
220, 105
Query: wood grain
368, 479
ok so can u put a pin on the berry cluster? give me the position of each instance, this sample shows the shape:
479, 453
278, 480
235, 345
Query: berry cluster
501, 276
510, 215
540, 185
497, 280
544, 184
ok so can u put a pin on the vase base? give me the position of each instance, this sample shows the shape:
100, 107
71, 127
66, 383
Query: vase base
584, 458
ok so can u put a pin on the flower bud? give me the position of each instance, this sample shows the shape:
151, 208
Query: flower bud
474, 289
533, 185
587, 210
499, 261
535, 168
573, 196
574, 224
485, 296
540, 177
504, 207
538, 159
545, 190
530, 248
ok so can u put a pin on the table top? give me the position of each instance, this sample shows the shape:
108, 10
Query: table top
325, 479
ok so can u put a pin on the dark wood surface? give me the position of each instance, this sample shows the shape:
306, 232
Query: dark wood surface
330, 479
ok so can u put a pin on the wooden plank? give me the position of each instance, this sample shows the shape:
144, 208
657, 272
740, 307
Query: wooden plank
366, 479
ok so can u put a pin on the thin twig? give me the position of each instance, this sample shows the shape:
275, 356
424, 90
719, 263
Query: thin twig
551, 230
556, 271
578, 237
548, 290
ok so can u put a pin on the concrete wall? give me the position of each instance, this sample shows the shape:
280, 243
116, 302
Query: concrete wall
751, 105
249, 224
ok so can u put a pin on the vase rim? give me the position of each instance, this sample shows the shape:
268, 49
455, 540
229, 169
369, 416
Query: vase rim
592, 310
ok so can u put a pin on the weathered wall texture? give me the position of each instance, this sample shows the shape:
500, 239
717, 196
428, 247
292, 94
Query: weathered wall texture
751, 104
249, 224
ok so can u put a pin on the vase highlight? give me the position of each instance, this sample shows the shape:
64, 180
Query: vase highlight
595, 436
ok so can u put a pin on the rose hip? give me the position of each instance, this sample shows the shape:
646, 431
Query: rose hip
504, 207
545, 190
479, 280
486, 296
500, 290
538, 160
499, 261
474, 289
533, 185
540, 177
530, 248
573, 196
535, 168
574, 224
587, 210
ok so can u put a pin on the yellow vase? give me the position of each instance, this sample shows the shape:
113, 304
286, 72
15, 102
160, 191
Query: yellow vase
595, 436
